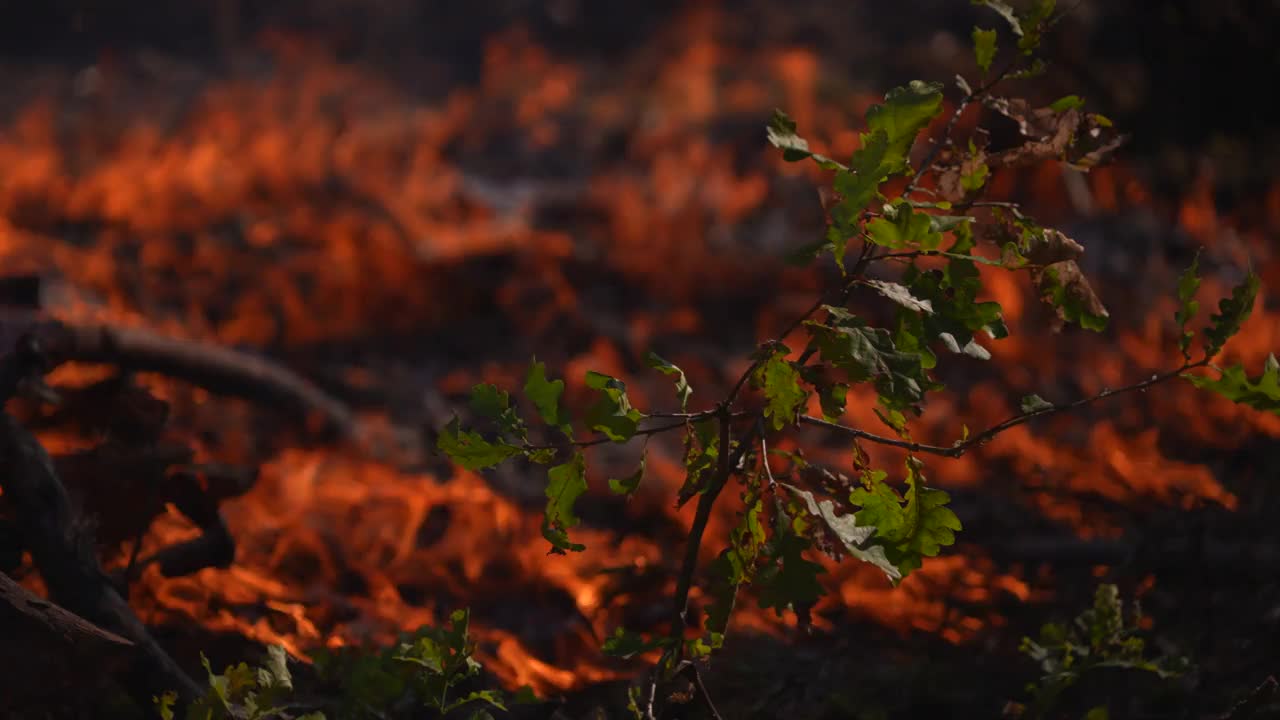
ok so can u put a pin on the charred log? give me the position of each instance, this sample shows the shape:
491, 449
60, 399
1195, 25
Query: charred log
63, 552
49, 652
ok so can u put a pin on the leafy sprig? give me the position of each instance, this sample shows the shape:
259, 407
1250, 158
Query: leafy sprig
932, 231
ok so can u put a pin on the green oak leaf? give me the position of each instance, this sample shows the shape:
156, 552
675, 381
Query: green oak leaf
916, 527
953, 292
984, 48
489, 401
1067, 102
782, 135
612, 414
788, 580
780, 381
629, 484
1232, 383
1232, 312
683, 391
566, 483
1188, 306
869, 354
906, 229
470, 450
546, 395
906, 111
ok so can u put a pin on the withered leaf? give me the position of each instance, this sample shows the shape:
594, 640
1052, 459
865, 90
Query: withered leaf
1051, 246
1050, 133
1064, 288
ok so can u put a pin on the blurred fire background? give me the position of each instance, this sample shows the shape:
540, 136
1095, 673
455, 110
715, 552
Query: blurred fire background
399, 199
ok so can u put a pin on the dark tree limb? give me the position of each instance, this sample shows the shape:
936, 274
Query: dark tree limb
63, 552
212, 367
48, 651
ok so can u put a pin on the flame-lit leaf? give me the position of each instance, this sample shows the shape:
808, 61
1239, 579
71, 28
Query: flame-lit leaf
1064, 288
778, 378
852, 536
984, 48
906, 229
566, 483
629, 484
1232, 312
788, 580
612, 414
470, 450
906, 111
1234, 384
900, 295
1188, 306
1034, 404
683, 391
782, 135
916, 527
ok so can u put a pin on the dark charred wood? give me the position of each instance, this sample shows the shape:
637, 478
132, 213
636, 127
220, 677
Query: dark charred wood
212, 367
48, 653
63, 551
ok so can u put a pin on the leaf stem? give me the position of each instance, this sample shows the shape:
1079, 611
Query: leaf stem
702, 515
982, 438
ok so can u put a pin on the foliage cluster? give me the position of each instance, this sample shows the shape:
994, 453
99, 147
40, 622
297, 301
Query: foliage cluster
910, 233
913, 236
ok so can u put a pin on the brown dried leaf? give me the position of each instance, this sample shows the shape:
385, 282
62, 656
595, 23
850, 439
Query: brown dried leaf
1052, 247
1050, 132
1064, 287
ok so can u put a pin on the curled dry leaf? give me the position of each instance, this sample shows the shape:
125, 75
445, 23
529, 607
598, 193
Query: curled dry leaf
1050, 132
1051, 246
1064, 287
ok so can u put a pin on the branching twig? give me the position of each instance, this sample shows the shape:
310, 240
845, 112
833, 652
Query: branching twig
982, 438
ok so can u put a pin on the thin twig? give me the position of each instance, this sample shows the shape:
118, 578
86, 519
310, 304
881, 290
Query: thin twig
960, 448
605, 439
701, 516
696, 678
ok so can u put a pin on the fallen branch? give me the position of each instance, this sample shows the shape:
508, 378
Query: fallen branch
48, 651
64, 554
215, 368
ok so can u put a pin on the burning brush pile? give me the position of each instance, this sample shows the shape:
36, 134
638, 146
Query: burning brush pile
241, 299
